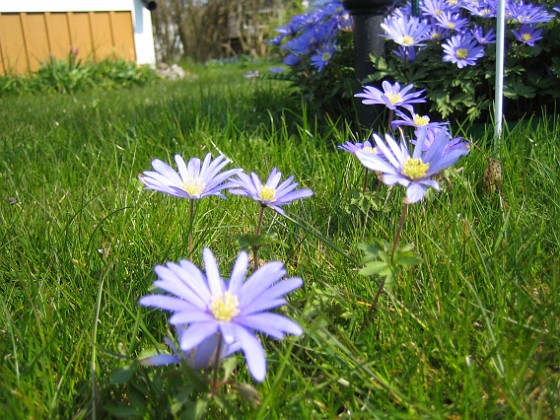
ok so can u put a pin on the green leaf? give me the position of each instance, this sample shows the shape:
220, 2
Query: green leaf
375, 267
121, 375
121, 411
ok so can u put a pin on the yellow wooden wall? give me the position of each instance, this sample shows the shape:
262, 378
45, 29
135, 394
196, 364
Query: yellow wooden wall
28, 39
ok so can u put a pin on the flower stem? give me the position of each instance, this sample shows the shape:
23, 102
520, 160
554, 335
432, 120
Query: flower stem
389, 129
257, 235
191, 220
216, 366
382, 282
365, 181
399, 230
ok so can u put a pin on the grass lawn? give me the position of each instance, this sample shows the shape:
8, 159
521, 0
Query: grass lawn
471, 332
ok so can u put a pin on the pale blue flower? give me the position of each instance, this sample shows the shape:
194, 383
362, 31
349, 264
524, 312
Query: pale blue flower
463, 50
392, 96
193, 181
352, 147
406, 31
234, 308
434, 8
272, 194
415, 172
528, 34
452, 21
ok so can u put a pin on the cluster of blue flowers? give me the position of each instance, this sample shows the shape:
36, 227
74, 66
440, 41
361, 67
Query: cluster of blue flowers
215, 317
311, 37
462, 27
434, 147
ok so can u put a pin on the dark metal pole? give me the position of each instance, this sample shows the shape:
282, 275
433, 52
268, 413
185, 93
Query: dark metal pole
367, 16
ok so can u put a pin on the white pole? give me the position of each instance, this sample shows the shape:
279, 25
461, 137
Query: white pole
499, 91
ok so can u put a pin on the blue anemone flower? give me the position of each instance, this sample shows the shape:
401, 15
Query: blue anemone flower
392, 96
193, 181
416, 172
272, 194
462, 50
234, 309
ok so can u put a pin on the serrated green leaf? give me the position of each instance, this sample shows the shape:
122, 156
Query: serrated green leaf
375, 267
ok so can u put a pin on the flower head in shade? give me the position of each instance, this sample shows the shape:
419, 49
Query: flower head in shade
352, 148
527, 13
432, 134
483, 38
234, 308
481, 8
292, 60
407, 54
272, 194
200, 357
323, 55
462, 50
415, 120
193, 181
528, 34
392, 96
414, 172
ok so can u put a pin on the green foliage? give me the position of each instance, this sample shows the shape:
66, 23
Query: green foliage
531, 81
328, 92
71, 75
381, 260
472, 332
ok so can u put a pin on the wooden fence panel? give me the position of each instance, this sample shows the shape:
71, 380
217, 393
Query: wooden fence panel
80, 34
36, 40
14, 58
58, 33
123, 35
102, 35
28, 39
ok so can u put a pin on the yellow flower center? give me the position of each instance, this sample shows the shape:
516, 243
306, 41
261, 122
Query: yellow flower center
435, 36
372, 150
526, 37
462, 53
224, 306
194, 187
450, 25
453, 2
415, 168
421, 120
267, 194
326, 56
394, 97
438, 12
405, 40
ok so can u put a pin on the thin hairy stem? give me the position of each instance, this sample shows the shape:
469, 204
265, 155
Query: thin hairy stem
215, 384
257, 235
389, 128
191, 220
365, 181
